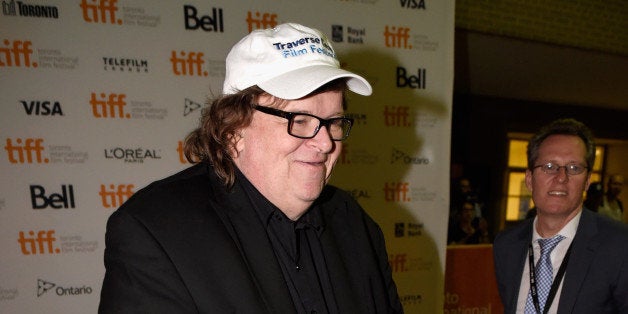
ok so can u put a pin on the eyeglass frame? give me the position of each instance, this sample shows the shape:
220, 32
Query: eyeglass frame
321, 122
567, 171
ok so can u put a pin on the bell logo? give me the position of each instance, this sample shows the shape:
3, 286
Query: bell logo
25, 151
100, 11
396, 192
65, 199
115, 196
105, 106
188, 66
43, 243
397, 37
267, 20
16, 54
412, 81
208, 23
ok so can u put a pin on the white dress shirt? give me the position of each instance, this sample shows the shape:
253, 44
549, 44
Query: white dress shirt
557, 255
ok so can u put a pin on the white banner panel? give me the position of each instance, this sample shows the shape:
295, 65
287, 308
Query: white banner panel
97, 95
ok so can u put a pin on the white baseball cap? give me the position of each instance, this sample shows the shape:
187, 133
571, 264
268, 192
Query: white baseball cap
289, 61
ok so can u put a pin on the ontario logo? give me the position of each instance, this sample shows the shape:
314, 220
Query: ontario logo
190, 106
43, 287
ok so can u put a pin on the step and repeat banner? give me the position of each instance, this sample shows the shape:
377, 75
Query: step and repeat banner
98, 95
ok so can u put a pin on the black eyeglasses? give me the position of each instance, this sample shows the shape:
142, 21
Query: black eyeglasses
572, 169
303, 125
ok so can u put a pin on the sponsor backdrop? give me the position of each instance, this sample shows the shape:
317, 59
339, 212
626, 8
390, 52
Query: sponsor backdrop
97, 96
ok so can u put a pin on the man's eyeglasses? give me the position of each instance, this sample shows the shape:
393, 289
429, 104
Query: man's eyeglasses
572, 169
303, 125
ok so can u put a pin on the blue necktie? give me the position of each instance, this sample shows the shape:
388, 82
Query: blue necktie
544, 273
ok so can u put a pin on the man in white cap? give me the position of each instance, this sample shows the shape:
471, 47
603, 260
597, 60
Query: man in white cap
253, 227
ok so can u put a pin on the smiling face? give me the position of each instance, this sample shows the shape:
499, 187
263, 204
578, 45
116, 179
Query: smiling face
559, 195
290, 172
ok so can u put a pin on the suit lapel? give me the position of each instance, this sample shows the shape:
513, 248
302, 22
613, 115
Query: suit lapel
583, 250
256, 250
516, 257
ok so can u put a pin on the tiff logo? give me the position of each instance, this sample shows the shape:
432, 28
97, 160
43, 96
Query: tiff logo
397, 262
397, 116
192, 65
181, 153
114, 196
106, 105
208, 23
25, 151
100, 11
13, 53
397, 37
267, 20
396, 192
43, 243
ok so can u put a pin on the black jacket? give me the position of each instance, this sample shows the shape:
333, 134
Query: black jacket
187, 245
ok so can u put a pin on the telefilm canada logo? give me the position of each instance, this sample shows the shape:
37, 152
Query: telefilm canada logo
44, 287
125, 64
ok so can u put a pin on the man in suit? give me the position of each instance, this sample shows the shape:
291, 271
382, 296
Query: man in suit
253, 227
587, 256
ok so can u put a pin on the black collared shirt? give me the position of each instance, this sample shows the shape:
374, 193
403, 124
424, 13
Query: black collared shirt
298, 248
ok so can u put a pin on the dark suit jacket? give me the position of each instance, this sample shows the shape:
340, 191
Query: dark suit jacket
187, 245
596, 279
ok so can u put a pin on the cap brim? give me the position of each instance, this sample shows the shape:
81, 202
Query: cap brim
301, 82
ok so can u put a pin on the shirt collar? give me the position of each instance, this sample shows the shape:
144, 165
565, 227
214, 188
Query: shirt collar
568, 231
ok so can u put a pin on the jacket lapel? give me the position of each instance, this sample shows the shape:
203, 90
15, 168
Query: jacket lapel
583, 250
249, 235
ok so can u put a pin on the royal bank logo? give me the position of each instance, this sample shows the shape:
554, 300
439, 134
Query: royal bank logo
19, 8
128, 65
409, 229
353, 35
260, 20
190, 106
